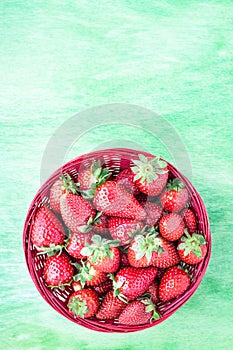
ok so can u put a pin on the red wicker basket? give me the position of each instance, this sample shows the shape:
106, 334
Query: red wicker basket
116, 159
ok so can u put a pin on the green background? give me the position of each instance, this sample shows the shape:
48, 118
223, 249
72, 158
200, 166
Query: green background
61, 57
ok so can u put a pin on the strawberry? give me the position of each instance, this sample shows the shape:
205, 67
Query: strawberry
46, 229
56, 192
153, 290
154, 213
58, 270
166, 255
192, 249
83, 303
64, 184
175, 196
150, 174
100, 227
189, 220
111, 307
150, 249
91, 177
142, 248
130, 282
77, 213
174, 283
139, 312
112, 199
104, 287
123, 229
89, 275
126, 179
171, 226
76, 242
103, 254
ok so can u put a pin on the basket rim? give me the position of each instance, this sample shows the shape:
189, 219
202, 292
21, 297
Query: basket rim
93, 324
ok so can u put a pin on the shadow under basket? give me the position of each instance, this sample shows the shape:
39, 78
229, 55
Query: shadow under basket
116, 160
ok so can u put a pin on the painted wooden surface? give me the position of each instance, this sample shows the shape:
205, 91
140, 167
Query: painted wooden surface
61, 57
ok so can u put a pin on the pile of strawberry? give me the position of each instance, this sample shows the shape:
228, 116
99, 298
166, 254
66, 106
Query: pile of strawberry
119, 240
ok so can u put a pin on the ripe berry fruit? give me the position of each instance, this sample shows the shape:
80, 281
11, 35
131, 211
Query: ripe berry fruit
171, 226
175, 197
111, 307
139, 312
150, 174
58, 270
189, 220
46, 229
192, 248
174, 283
83, 303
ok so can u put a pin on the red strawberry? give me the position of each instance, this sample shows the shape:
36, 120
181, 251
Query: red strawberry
103, 287
91, 177
130, 282
166, 255
171, 226
111, 307
46, 229
154, 213
100, 227
56, 192
126, 179
123, 229
83, 303
192, 249
142, 248
58, 270
173, 284
153, 290
76, 242
189, 220
89, 275
62, 185
102, 254
175, 197
77, 213
112, 199
150, 249
138, 312
150, 174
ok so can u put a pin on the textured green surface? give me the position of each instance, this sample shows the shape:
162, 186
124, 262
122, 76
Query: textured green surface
60, 57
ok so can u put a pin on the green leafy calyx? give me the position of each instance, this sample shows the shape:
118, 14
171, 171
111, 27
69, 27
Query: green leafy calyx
84, 273
68, 184
51, 250
99, 176
150, 307
191, 244
175, 184
147, 243
77, 307
117, 288
100, 248
146, 169
89, 225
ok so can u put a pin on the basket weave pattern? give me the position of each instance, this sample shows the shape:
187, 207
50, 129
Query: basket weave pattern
116, 160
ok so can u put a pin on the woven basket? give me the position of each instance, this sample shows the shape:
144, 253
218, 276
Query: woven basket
115, 159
